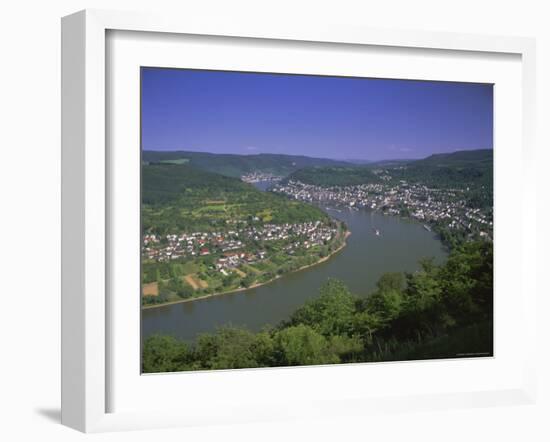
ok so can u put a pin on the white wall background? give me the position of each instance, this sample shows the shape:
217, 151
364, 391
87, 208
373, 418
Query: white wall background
30, 215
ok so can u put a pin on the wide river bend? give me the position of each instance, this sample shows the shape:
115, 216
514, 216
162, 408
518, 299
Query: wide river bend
366, 257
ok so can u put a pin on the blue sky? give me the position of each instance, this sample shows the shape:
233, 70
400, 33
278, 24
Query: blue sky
329, 117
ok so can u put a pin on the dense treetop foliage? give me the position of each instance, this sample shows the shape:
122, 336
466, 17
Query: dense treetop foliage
438, 312
335, 176
167, 183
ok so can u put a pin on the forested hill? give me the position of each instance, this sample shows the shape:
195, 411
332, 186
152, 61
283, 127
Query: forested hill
462, 158
458, 169
335, 176
165, 184
178, 197
238, 165
462, 168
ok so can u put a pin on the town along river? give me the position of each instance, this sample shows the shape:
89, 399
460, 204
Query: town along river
399, 247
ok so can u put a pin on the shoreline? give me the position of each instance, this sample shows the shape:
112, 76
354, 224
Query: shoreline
242, 289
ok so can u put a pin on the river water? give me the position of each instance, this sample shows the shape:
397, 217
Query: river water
366, 257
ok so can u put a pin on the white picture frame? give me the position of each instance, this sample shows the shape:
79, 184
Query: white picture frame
86, 206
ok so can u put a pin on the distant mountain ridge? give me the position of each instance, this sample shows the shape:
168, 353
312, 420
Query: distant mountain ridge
234, 165
461, 157
472, 167
466, 168
443, 169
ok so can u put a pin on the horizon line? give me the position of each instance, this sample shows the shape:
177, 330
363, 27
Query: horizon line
346, 159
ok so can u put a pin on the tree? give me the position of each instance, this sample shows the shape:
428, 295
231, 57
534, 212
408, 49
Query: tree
386, 305
301, 345
391, 282
263, 349
157, 275
248, 280
229, 347
229, 280
164, 354
348, 349
423, 288
330, 314
467, 280
386, 302
366, 325
186, 291
438, 311
175, 284
174, 270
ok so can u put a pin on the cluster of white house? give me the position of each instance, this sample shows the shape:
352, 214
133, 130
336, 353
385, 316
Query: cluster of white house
421, 202
229, 246
255, 177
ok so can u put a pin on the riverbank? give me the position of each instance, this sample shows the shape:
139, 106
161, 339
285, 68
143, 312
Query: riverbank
438, 230
242, 289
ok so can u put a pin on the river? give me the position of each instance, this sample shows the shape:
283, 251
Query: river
366, 257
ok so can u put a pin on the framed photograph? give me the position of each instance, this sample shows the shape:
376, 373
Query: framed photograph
268, 223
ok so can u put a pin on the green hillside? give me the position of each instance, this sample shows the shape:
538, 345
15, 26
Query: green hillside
463, 168
178, 197
335, 176
238, 165
461, 158
458, 169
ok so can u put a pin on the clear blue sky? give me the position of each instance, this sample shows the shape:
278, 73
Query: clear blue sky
329, 117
